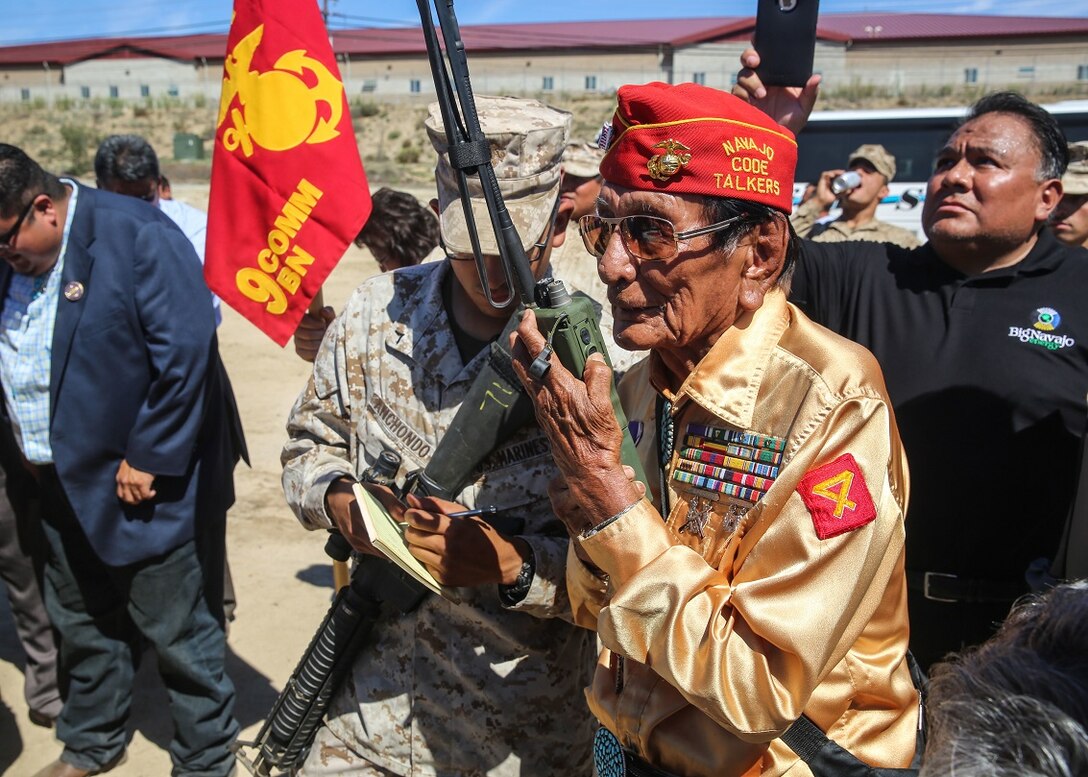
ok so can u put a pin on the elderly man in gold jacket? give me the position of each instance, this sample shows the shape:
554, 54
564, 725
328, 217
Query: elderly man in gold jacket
757, 578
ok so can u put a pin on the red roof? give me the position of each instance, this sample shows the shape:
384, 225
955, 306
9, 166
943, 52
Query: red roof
914, 26
569, 35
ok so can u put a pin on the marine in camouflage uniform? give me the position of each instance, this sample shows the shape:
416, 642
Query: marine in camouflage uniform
876, 167
490, 685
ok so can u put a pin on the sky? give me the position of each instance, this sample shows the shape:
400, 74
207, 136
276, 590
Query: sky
32, 21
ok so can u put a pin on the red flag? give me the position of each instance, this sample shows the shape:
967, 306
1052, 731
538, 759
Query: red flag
288, 191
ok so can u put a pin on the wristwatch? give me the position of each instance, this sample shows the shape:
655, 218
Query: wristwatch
516, 591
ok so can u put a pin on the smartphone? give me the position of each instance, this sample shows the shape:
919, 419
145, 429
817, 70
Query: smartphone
785, 38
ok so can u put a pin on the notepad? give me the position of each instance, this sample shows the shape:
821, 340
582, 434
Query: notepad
387, 536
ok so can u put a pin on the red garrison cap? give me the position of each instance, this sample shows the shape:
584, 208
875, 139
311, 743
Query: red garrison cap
693, 139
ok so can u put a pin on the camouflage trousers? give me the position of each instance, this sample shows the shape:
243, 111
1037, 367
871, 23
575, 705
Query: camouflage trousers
330, 755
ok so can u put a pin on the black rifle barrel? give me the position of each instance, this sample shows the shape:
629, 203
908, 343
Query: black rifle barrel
468, 152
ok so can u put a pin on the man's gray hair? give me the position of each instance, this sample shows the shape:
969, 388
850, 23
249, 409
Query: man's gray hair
1018, 703
1006, 736
127, 158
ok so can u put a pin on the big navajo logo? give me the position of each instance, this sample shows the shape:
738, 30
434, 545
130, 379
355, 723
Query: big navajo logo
1042, 331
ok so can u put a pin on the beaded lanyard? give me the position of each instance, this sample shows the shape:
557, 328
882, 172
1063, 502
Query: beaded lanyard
666, 441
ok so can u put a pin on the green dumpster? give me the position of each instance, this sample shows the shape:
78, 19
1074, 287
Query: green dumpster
188, 146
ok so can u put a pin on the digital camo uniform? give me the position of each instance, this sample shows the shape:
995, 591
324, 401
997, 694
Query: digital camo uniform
570, 261
838, 231
800, 417
576, 267
448, 689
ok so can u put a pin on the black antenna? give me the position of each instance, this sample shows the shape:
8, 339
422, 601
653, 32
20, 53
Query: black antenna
469, 153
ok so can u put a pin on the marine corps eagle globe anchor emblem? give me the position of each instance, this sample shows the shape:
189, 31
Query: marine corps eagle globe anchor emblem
664, 166
296, 119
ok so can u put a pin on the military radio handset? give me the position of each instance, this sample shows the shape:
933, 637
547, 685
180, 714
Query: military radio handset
569, 323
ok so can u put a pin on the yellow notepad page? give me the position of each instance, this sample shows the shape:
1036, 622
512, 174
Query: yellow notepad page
388, 536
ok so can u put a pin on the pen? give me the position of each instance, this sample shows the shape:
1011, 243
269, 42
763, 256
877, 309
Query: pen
489, 510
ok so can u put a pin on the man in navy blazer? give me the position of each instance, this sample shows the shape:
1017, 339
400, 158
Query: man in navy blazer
115, 393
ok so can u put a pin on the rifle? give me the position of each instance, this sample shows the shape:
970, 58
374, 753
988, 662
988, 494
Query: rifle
376, 584
570, 326
568, 323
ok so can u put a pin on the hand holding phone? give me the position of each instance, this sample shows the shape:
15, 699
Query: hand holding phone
785, 37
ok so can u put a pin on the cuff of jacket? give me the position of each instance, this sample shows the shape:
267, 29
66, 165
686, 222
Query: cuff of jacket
314, 515
629, 543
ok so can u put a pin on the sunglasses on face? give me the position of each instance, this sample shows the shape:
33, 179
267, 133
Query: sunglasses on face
7, 237
647, 238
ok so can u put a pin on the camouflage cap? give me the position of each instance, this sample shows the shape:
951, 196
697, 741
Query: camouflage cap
1075, 180
582, 159
878, 156
527, 139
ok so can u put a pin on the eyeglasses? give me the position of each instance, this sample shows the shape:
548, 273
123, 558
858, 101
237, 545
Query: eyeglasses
647, 238
7, 237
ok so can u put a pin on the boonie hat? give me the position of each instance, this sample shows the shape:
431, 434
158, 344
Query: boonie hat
1075, 180
879, 157
692, 139
582, 160
526, 139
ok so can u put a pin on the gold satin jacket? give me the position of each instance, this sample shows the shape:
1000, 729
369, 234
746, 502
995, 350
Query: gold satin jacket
745, 609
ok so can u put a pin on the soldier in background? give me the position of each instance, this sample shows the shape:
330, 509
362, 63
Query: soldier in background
875, 169
1070, 219
571, 262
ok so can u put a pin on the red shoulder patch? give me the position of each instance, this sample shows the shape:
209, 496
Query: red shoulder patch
837, 497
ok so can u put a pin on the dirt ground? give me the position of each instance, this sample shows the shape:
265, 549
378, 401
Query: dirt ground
281, 575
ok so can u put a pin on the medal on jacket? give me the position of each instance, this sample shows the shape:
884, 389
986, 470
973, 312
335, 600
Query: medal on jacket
698, 514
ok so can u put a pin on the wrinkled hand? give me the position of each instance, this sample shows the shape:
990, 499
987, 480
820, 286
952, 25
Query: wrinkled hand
311, 331
577, 417
567, 508
341, 505
133, 485
790, 106
464, 551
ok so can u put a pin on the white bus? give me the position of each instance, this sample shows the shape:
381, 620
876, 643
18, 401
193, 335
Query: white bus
913, 135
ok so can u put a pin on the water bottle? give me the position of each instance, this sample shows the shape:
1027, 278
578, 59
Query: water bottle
844, 182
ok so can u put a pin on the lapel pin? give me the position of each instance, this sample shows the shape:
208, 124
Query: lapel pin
73, 291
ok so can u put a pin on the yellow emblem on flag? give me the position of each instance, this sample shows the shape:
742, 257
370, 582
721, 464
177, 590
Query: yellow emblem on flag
277, 110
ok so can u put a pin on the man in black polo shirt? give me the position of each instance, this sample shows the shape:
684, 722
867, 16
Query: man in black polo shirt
983, 338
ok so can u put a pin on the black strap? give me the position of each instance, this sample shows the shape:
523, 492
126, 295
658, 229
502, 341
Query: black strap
947, 587
826, 758
469, 154
636, 767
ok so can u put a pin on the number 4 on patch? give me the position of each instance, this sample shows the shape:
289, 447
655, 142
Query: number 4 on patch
837, 497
